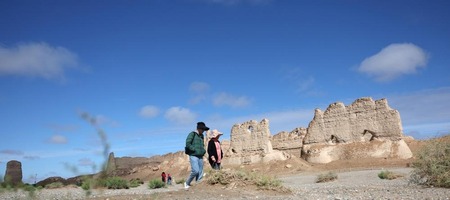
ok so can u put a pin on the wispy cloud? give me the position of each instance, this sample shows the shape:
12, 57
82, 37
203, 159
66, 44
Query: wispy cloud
11, 152
37, 60
199, 87
63, 128
57, 139
424, 106
225, 99
303, 83
149, 111
424, 113
394, 61
199, 91
31, 157
99, 120
180, 115
86, 162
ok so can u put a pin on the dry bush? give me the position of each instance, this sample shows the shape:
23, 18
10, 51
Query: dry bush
327, 177
241, 178
432, 164
389, 175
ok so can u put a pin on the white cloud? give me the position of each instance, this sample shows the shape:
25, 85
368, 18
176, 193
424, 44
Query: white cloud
199, 89
58, 139
36, 60
180, 115
149, 111
230, 100
393, 61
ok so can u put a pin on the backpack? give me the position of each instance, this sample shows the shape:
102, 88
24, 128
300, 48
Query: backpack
186, 149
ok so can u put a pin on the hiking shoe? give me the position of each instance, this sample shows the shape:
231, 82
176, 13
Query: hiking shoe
186, 186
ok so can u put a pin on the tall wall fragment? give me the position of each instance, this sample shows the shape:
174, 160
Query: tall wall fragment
250, 143
340, 123
364, 129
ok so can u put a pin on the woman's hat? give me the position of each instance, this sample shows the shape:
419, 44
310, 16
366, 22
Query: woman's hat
201, 125
215, 133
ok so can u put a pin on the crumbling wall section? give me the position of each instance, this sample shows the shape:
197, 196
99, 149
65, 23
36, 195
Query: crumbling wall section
341, 124
250, 143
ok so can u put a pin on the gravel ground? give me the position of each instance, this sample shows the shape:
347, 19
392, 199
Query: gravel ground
362, 184
78, 193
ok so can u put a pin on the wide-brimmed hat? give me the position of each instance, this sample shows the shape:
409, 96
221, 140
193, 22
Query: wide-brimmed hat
215, 133
201, 125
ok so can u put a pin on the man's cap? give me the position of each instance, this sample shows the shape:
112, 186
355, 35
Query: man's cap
201, 125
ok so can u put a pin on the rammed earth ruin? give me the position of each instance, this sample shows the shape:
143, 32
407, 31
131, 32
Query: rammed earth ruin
364, 129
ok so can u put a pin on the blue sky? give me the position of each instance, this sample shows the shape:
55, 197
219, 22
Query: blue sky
147, 71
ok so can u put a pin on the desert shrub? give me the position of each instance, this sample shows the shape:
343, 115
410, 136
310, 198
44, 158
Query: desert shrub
136, 182
91, 183
385, 174
219, 177
432, 164
6, 183
31, 188
180, 181
226, 177
6, 186
156, 183
86, 185
267, 182
116, 183
327, 177
54, 185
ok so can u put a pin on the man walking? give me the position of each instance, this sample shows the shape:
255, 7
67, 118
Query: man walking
195, 148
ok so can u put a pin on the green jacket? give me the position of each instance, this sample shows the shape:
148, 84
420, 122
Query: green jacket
195, 145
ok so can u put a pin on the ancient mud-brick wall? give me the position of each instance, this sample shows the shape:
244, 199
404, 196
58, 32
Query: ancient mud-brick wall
341, 124
289, 142
251, 138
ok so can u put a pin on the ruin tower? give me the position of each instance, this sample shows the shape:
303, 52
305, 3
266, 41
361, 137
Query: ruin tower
13, 174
